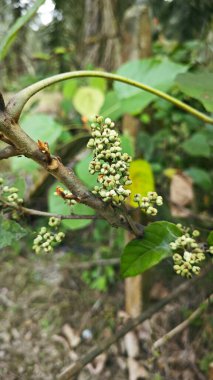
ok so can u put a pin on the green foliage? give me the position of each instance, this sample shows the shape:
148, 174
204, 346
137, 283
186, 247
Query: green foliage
198, 86
99, 278
69, 88
155, 72
197, 145
58, 206
200, 177
141, 254
38, 127
210, 238
10, 232
10, 36
81, 169
127, 144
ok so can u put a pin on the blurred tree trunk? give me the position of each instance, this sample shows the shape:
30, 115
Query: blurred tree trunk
136, 32
101, 45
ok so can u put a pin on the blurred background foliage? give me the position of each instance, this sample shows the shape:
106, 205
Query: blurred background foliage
169, 52
167, 44
156, 42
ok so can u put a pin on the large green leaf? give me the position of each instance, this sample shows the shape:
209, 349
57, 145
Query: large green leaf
112, 106
58, 206
200, 177
158, 73
197, 145
10, 232
10, 36
38, 127
141, 254
198, 86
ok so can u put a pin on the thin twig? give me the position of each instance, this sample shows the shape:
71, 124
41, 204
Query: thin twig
31, 211
76, 367
164, 339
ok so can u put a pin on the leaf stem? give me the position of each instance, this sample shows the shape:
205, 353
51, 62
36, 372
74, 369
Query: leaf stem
17, 103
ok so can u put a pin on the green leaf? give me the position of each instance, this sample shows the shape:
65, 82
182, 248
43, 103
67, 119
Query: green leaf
112, 106
200, 177
99, 83
69, 88
198, 86
158, 73
10, 36
10, 232
140, 255
88, 101
58, 206
197, 145
210, 238
127, 144
82, 172
38, 127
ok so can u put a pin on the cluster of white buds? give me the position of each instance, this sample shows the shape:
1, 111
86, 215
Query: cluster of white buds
10, 194
146, 203
47, 238
188, 253
109, 162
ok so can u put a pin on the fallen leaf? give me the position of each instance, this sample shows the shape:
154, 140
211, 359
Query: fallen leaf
131, 344
136, 370
97, 365
72, 337
181, 194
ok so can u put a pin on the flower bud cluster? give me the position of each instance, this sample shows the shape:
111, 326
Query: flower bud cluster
146, 203
109, 162
47, 238
188, 253
10, 194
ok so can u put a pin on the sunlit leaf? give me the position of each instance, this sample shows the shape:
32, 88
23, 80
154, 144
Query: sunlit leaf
88, 101
142, 179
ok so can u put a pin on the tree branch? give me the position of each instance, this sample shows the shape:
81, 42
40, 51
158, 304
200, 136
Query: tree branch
76, 367
164, 339
17, 103
29, 148
7, 152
